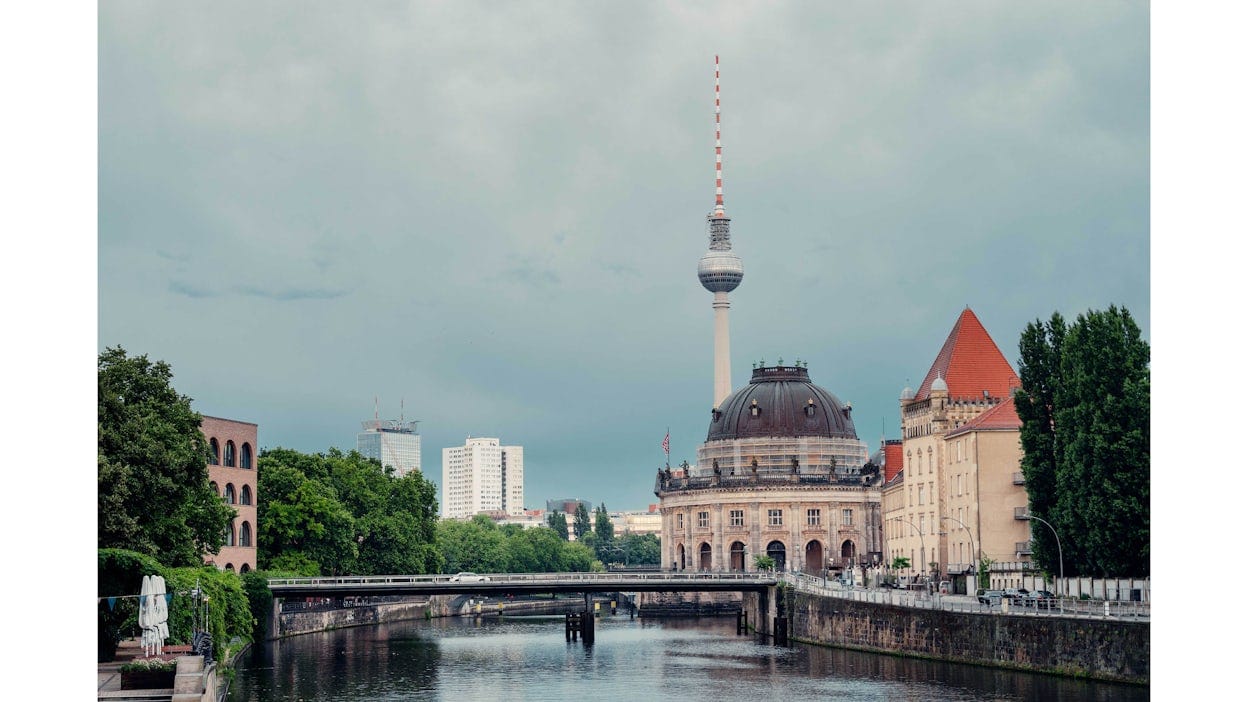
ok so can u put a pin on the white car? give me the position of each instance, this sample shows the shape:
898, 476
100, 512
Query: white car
469, 578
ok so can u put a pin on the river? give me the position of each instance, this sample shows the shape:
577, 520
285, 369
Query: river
526, 658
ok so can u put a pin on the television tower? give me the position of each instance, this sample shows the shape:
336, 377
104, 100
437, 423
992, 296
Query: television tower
720, 269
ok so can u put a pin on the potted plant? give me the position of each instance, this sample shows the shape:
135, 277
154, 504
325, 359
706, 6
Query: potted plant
148, 674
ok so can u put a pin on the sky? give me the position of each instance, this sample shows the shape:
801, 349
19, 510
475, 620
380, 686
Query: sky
489, 216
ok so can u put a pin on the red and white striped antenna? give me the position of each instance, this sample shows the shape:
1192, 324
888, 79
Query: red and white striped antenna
719, 151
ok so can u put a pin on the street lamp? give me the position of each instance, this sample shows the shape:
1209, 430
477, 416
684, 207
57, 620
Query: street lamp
1061, 570
922, 547
974, 553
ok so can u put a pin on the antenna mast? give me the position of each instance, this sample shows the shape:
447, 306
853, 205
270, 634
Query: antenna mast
719, 151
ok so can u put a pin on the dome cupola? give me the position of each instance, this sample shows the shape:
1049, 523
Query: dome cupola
781, 401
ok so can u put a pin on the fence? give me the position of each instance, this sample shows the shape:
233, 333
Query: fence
1059, 607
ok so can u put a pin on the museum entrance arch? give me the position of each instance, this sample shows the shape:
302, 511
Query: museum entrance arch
814, 557
704, 556
737, 553
680, 557
847, 552
775, 551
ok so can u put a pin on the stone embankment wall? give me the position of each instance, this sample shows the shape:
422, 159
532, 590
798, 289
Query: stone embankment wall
291, 623
688, 604
1096, 648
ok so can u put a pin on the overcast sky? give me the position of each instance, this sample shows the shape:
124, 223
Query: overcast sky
494, 214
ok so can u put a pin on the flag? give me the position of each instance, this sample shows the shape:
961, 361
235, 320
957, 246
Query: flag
667, 443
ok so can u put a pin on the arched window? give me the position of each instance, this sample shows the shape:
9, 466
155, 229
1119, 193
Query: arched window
229, 493
775, 550
229, 567
229, 454
245, 568
215, 458
244, 459
229, 535
245, 496
244, 535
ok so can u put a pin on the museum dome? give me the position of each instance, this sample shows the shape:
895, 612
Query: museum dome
781, 401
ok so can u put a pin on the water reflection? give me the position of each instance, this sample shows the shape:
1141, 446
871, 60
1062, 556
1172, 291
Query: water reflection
527, 658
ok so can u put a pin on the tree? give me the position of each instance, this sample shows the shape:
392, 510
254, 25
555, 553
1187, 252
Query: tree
152, 466
640, 549
900, 563
764, 563
603, 528
1085, 407
1102, 425
559, 522
1039, 369
580, 521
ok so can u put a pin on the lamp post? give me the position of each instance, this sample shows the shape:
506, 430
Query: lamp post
922, 547
974, 553
1061, 569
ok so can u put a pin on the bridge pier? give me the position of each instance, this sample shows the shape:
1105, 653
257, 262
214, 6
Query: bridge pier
587, 620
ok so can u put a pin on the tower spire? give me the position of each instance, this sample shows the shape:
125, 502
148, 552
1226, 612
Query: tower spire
719, 152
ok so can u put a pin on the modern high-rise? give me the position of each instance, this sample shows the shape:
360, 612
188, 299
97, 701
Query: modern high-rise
395, 443
482, 476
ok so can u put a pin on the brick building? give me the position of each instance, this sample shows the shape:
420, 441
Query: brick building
232, 472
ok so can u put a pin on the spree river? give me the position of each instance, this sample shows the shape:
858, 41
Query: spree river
526, 658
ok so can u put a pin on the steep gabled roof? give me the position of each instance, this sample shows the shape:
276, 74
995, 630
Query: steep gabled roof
970, 363
1003, 417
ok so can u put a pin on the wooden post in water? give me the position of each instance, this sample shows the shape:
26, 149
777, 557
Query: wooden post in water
587, 620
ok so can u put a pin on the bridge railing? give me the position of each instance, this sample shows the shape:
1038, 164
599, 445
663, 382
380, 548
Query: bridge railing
534, 578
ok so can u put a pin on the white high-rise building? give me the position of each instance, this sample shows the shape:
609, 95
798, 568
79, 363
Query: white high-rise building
393, 443
482, 476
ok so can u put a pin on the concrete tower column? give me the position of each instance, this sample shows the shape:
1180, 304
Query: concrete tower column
723, 369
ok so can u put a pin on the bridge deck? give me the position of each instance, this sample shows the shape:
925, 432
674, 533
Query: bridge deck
520, 583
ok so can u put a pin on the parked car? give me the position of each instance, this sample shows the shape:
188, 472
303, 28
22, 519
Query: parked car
989, 597
1042, 599
469, 578
1016, 594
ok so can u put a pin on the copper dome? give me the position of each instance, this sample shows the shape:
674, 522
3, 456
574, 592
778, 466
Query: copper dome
780, 401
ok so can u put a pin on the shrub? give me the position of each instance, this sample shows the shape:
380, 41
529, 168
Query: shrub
120, 575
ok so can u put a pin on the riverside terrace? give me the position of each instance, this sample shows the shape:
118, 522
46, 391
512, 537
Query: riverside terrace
521, 583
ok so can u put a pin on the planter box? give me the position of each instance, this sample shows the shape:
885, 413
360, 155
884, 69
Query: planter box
147, 680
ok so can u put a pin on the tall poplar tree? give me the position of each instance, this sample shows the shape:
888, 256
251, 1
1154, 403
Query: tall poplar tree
580, 521
559, 522
1040, 354
1102, 425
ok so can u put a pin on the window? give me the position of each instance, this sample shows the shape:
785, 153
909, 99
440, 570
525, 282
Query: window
775, 517
229, 493
921, 525
229, 454
920, 494
229, 535
215, 458
680, 521
704, 519
736, 517
814, 517
245, 497
847, 517
244, 460
244, 535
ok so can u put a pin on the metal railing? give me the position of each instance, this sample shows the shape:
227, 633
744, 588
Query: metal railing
537, 578
970, 604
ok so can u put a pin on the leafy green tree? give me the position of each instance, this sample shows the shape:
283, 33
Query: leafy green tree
764, 563
900, 563
152, 465
477, 545
559, 522
1039, 369
1102, 425
304, 522
1084, 406
640, 549
580, 521
603, 527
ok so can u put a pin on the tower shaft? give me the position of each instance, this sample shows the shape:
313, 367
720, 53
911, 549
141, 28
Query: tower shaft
723, 370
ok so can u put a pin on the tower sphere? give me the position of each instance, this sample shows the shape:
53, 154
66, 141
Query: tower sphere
720, 271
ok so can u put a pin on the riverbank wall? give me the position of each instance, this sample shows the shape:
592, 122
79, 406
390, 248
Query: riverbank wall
1101, 649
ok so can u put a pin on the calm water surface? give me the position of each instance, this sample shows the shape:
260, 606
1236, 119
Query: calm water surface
526, 658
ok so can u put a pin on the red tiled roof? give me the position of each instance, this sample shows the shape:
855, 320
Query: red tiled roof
970, 363
892, 460
1002, 417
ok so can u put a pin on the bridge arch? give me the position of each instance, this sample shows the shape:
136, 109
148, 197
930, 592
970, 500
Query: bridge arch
704, 556
814, 557
775, 550
737, 557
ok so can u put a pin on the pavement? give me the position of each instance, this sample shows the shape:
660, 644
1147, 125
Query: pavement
109, 675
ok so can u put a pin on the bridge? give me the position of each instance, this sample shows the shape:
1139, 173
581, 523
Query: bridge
521, 584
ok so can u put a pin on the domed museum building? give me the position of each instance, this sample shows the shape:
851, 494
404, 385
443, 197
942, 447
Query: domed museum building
783, 474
